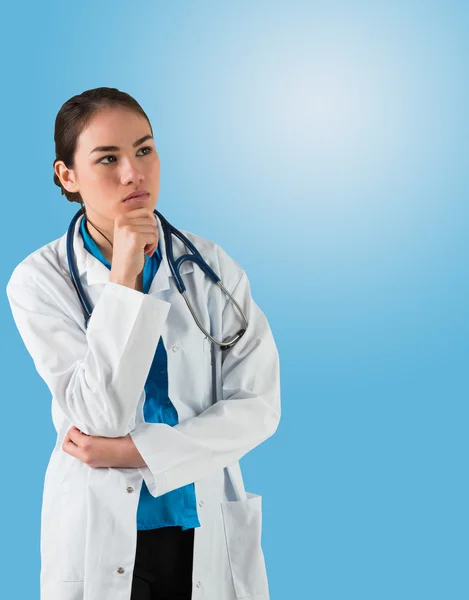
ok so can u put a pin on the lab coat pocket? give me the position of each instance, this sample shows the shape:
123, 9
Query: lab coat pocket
72, 535
243, 528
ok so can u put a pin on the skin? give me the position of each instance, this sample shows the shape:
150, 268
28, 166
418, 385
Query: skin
103, 179
98, 452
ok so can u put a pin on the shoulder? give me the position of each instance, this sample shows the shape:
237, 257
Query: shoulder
38, 268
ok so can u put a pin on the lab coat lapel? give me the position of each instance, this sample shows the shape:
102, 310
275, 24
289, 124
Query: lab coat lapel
92, 271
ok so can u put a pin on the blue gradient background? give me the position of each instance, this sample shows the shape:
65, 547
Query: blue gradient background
323, 145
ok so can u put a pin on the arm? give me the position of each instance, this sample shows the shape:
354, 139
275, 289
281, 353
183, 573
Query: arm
98, 452
247, 413
96, 374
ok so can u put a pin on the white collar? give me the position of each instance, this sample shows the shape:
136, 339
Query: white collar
93, 271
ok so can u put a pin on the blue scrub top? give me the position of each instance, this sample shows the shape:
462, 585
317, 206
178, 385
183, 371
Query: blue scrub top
177, 507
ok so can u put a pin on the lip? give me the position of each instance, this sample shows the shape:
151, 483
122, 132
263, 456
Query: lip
136, 194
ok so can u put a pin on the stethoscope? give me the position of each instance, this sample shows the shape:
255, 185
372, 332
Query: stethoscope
174, 265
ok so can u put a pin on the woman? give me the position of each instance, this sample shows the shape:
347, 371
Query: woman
143, 493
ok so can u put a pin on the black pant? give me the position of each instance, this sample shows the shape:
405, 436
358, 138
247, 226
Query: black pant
163, 564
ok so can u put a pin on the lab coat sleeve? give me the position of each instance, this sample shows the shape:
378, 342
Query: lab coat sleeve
247, 413
96, 375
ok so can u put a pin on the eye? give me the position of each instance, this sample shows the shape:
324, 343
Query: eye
105, 163
149, 148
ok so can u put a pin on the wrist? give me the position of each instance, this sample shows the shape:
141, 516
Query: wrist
132, 456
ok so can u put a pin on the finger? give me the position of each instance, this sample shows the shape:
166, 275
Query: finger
68, 442
150, 249
72, 434
70, 448
75, 450
77, 436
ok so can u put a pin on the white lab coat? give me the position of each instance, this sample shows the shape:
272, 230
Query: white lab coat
228, 403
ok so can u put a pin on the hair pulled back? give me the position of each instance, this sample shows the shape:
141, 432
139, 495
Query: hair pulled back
75, 114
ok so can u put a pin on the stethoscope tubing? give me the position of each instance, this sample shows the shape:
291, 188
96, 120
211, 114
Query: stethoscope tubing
174, 265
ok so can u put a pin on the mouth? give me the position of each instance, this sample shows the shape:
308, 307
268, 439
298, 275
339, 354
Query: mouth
136, 196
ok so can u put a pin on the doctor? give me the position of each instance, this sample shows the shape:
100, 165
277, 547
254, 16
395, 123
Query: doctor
143, 493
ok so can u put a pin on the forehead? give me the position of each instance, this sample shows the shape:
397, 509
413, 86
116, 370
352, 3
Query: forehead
114, 126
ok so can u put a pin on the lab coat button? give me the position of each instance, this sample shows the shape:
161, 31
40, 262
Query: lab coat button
120, 570
130, 489
201, 503
198, 584
175, 348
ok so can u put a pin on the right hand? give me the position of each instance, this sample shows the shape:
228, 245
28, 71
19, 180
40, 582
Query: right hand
135, 234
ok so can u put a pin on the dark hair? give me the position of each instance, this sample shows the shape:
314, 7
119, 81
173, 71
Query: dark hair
75, 114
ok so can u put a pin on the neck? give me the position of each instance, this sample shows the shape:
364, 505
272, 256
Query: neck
100, 239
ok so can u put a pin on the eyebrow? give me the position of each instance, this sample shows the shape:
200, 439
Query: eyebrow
116, 148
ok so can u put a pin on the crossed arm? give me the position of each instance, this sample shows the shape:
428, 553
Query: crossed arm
97, 385
98, 451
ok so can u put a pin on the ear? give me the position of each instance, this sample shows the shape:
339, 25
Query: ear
66, 176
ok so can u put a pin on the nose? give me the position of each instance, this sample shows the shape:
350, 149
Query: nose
131, 172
